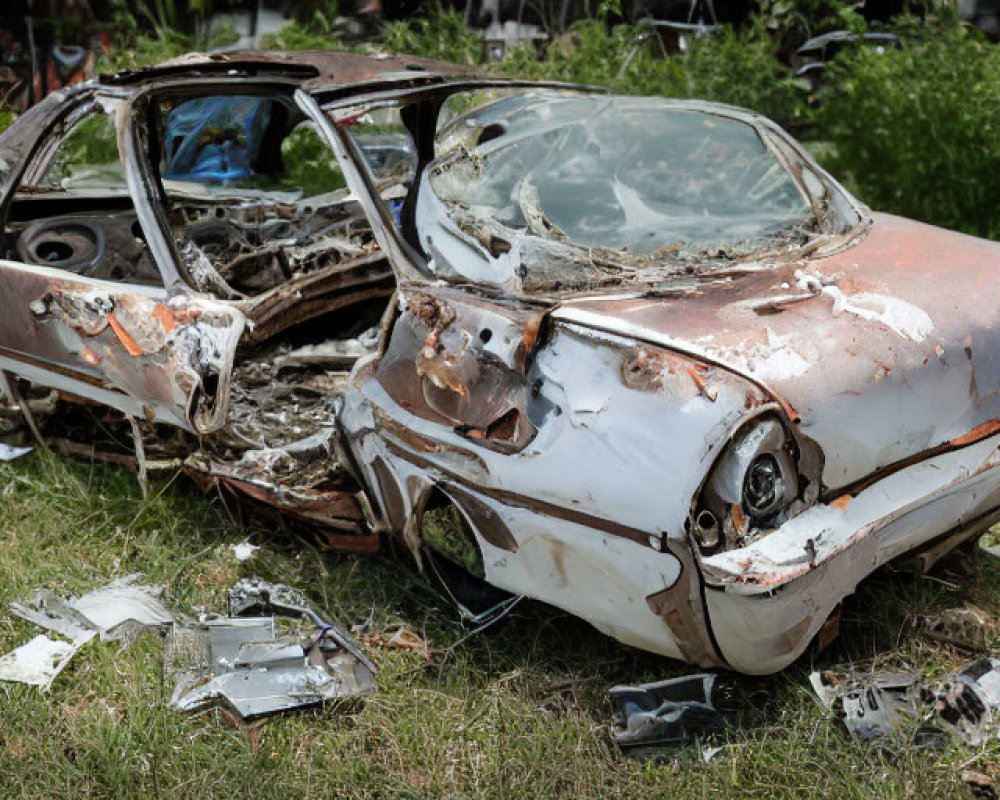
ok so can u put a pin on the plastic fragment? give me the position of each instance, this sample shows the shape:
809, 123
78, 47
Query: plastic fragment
39, 661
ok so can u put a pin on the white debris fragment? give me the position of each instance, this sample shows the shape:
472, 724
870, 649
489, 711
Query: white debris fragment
825, 693
244, 551
9, 453
37, 662
709, 753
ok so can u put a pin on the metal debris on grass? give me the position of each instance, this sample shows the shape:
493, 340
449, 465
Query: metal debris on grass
244, 551
120, 610
969, 628
669, 713
888, 707
38, 662
871, 709
245, 665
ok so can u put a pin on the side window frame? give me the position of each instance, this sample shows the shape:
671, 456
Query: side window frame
407, 262
149, 135
52, 140
40, 159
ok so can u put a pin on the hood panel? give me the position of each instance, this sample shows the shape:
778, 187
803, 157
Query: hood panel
885, 350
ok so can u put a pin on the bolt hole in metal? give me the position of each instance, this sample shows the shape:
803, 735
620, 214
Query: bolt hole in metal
53, 251
706, 529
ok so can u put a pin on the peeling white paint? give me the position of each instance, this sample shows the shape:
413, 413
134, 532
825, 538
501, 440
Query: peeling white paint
780, 365
906, 319
776, 359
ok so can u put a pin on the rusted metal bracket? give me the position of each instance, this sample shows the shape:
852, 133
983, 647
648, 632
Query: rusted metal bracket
140, 456
9, 388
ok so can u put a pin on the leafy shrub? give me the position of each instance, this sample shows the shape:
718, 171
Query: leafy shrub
309, 164
141, 50
917, 130
318, 35
741, 68
441, 34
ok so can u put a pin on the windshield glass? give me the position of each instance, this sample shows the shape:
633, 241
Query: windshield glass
544, 180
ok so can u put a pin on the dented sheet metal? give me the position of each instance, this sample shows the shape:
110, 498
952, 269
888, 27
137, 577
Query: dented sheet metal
958, 487
120, 610
685, 387
244, 664
779, 399
871, 331
669, 713
147, 355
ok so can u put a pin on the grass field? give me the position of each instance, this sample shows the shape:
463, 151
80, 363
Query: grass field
517, 712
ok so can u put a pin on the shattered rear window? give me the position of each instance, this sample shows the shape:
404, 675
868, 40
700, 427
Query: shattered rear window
610, 183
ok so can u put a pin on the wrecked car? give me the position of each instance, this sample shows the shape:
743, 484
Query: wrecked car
641, 359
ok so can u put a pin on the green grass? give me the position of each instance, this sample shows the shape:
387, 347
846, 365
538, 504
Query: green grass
521, 711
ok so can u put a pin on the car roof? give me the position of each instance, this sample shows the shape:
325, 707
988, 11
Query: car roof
314, 68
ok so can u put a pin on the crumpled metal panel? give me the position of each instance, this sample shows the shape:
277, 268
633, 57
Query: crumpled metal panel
244, 664
899, 706
860, 344
119, 610
170, 357
669, 713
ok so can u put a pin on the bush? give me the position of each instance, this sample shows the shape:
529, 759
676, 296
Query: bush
741, 68
141, 50
917, 130
441, 35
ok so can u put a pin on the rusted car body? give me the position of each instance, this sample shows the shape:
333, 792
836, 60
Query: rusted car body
662, 371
